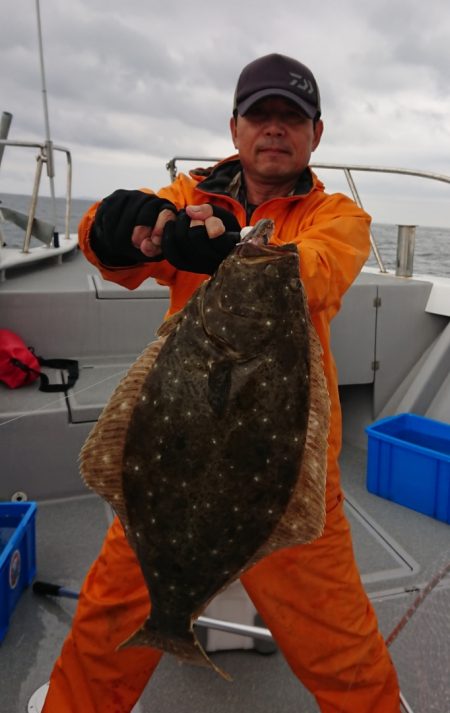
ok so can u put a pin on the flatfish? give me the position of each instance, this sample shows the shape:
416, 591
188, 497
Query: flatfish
212, 450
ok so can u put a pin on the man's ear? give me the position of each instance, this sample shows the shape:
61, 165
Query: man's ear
318, 131
233, 127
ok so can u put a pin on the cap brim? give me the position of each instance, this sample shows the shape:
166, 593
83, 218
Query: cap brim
244, 105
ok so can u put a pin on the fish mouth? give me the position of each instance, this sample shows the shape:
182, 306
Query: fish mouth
259, 253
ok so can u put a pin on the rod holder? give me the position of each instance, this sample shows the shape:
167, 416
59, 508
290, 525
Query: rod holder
406, 240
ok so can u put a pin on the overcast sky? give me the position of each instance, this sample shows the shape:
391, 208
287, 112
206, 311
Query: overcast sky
132, 84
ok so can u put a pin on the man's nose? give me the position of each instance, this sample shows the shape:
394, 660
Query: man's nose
274, 125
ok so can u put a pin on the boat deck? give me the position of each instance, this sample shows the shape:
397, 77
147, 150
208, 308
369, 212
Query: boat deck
398, 551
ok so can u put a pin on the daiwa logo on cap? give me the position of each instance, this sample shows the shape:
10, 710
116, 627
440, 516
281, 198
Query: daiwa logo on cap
302, 83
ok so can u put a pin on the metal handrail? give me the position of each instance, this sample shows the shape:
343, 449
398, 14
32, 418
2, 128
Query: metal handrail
347, 170
45, 155
172, 164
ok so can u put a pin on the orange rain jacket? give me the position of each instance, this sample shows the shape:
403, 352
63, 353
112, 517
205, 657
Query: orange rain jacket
311, 596
332, 235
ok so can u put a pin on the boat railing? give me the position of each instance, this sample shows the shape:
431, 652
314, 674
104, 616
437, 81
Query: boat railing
44, 156
347, 170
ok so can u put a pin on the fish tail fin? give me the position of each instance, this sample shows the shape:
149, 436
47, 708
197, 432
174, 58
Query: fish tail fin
185, 647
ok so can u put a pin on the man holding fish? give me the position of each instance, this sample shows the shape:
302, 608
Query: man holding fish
309, 595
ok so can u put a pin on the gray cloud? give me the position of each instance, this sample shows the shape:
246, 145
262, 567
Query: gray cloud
130, 85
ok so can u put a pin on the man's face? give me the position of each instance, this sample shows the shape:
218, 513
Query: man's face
275, 139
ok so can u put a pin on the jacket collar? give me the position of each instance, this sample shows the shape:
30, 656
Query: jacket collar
223, 176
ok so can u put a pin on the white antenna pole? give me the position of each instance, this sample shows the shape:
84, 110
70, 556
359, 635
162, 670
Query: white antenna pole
49, 145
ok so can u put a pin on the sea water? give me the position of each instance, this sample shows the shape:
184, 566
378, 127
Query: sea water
432, 245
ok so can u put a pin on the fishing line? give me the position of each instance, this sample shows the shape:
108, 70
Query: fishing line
55, 402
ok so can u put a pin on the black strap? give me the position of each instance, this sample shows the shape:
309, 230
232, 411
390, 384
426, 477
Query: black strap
24, 367
69, 365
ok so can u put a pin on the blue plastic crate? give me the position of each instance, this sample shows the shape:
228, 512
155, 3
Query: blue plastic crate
17, 555
408, 462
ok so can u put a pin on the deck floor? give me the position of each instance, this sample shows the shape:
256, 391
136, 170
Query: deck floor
397, 550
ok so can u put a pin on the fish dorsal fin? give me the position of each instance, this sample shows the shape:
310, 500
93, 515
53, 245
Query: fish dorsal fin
102, 454
304, 518
170, 324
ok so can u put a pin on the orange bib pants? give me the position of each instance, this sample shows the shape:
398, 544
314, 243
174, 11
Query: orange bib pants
309, 596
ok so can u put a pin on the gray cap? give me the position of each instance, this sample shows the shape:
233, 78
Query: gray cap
277, 75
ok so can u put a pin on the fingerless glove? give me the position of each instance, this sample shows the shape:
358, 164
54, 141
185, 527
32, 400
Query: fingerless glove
115, 220
192, 250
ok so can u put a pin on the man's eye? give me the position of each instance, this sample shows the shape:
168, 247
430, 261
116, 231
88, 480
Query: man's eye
256, 115
294, 117
288, 117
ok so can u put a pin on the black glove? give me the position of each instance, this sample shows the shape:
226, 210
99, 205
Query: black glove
192, 250
116, 217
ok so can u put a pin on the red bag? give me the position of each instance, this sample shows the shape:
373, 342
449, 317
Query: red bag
19, 365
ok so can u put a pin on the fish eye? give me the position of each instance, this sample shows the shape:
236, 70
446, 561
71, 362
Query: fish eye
271, 270
295, 284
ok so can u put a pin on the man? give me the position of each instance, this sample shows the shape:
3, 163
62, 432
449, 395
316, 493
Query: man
309, 596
